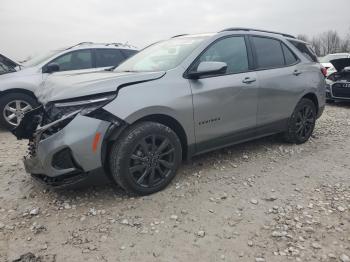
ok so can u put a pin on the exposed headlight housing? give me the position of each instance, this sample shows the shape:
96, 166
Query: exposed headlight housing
86, 105
59, 114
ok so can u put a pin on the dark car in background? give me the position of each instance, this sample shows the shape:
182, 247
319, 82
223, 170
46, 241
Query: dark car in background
338, 83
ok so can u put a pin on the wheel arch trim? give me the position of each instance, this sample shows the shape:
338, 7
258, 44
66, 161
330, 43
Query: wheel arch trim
18, 90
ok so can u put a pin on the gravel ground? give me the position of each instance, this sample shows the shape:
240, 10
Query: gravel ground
260, 201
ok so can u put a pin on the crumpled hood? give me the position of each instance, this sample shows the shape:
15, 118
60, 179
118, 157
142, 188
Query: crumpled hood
341, 63
59, 87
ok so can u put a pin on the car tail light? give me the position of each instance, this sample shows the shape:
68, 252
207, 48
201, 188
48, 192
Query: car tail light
324, 71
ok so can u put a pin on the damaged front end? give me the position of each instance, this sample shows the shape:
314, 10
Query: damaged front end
56, 115
62, 138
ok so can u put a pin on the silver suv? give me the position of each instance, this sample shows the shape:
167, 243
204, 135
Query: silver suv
17, 89
175, 99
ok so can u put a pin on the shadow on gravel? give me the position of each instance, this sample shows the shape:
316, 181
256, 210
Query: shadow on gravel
3, 130
100, 183
339, 104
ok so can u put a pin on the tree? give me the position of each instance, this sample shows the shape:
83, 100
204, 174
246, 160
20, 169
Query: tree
330, 42
316, 45
302, 37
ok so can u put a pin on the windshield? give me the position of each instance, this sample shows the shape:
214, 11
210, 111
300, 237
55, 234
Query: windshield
162, 56
328, 58
36, 60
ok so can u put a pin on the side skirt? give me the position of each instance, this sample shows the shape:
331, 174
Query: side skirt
238, 137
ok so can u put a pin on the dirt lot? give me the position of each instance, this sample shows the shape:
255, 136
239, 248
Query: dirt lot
260, 201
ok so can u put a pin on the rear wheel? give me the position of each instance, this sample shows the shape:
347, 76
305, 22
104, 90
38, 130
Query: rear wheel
13, 106
145, 158
302, 122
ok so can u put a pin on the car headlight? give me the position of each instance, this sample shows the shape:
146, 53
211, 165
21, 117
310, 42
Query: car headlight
85, 105
61, 113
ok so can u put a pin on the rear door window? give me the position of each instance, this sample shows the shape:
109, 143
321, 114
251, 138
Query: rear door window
269, 53
108, 57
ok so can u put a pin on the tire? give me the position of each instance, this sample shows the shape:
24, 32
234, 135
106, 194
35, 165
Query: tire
8, 102
134, 161
302, 122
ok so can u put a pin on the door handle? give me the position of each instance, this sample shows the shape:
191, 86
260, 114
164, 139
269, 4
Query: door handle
248, 80
297, 72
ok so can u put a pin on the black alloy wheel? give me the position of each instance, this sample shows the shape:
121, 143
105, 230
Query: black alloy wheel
145, 158
302, 122
152, 160
305, 121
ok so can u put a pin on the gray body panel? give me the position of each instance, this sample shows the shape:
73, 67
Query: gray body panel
223, 105
213, 111
80, 144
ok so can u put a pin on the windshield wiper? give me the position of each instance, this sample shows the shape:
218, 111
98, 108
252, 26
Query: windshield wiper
125, 71
111, 68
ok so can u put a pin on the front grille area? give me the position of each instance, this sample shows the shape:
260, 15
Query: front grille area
63, 159
339, 91
32, 147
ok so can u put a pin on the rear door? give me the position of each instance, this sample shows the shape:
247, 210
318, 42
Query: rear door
225, 106
280, 80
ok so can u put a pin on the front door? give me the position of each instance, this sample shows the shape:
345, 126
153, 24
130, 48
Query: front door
225, 106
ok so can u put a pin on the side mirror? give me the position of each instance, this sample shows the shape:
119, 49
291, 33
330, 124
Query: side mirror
208, 69
51, 68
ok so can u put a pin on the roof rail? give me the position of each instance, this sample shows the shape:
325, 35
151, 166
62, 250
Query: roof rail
106, 44
81, 43
122, 45
178, 35
257, 30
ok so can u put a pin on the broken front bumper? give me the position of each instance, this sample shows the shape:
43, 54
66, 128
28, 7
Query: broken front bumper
70, 152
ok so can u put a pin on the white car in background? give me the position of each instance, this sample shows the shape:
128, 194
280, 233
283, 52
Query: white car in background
325, 61
17, 87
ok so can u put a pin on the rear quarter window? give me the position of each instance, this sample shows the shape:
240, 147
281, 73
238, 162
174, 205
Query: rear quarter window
289, 56
108, 57
128, 52
306, 49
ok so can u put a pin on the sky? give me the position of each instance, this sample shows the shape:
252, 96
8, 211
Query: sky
31, 27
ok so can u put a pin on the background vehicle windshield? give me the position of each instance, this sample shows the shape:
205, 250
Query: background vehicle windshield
162, 56
328, 58
40, 58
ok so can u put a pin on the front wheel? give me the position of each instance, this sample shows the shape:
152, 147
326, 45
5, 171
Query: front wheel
145, 158
302, 122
